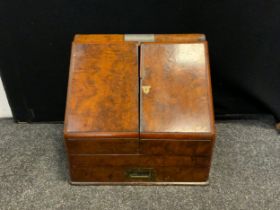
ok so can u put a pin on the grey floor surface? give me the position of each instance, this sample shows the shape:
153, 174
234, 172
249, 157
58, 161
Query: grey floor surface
245, 173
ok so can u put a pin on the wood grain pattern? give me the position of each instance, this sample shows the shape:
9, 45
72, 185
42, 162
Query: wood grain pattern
103, 146
178, 101
103, 90
146, 146
99, 38
101, 168
176, 147
112, 175
119, 38
137, 160
174, 134
179, 38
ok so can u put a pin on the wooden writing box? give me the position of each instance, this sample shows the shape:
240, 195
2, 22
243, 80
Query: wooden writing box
139, 110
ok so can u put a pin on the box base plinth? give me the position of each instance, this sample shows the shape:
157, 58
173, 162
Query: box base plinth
142, 183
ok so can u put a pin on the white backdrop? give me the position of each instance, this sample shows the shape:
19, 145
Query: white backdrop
5, 110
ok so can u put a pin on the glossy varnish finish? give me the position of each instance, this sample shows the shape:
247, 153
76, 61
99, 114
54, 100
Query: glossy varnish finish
103, 90
114, 168
176, 147
149, 112
179, 38
103, 146
117, 175
120, 38
178, 100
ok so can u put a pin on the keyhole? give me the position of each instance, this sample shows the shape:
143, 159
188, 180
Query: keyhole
146, 89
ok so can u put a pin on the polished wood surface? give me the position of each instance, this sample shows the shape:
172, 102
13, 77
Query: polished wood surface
179, 38
149, 112
103, 90
178, 100
146, 146
103, 146
113, 168
137, 160
99, 38
176, 147
117, 175
119, 38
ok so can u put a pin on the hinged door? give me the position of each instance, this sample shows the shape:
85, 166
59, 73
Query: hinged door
176, 100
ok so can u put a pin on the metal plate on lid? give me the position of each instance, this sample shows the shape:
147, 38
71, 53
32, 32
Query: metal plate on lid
139, 37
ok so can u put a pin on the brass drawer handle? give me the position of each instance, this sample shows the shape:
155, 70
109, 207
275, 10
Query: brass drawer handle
140, 173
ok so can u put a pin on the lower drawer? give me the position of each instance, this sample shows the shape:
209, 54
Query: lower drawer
100, 169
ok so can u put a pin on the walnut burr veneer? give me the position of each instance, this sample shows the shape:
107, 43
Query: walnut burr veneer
139, 110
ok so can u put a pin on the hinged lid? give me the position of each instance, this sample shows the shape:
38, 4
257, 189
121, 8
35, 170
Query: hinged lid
103, 93
102, 99
176, 100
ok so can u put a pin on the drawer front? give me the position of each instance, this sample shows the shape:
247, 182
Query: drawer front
103, 146
138, 168
176, 147
110, 175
